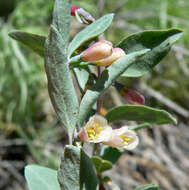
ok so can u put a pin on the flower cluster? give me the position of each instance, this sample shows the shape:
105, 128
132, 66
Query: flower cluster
102, 53
97, 130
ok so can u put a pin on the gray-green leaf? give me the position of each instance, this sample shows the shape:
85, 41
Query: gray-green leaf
61, 88
82, 77
147, 187
61, 18
41, 178
69, 172
33, 41
76, 170
89, 32
140, 113
108, 76
159, 41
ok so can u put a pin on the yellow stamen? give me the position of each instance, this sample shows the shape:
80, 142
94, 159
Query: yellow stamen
125, 139
93, 131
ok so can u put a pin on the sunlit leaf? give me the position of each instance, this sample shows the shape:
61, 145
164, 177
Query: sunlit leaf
159, 41
108, 76
90, 31
140, 113
41, 178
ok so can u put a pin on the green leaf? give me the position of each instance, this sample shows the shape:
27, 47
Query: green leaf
108, 76
89, 32
69, 172
61, 88
82, 77
147, 187
140, 113
100, 164
33, 41
61, 18
141, 126
159, 41
76, 170
111, 154
41, 178
88, 176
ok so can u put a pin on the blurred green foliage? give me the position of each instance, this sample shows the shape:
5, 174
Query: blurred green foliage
23, 91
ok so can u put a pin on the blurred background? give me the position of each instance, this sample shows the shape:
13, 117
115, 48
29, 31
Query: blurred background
29, 132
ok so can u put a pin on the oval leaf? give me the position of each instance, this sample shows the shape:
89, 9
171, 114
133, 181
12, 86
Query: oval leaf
108, 76
76, 170
111, 154
69, 172
140, 114
91, 31
61, 18
147, 187
41, 178
34, 42
159, 41
60, 84
100, 164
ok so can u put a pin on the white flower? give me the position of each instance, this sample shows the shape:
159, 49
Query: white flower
96, 130
123, 138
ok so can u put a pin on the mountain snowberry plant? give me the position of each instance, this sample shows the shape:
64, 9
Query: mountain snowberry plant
134, 56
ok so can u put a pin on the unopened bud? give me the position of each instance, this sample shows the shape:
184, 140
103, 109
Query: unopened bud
116, 54
84, 16
97, 51
132, 96
73, 9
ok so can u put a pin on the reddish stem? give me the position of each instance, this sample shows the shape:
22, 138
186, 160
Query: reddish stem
99, 100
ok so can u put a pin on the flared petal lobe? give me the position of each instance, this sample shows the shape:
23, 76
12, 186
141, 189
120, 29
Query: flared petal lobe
96, 130
123, 138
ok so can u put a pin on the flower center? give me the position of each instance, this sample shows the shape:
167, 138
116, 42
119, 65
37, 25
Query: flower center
94, 131
125, 139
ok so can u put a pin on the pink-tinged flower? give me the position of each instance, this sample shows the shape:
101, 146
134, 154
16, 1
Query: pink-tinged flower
123, 138
85, 17
116, 54
132, 96
96, 130
97, 51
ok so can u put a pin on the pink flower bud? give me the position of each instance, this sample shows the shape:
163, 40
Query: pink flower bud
97, 51
116, 54
73, 9
96, 130
123, 138
85, 17
132, 96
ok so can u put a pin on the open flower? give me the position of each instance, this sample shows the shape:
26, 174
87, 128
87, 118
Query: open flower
123, 138
97, 51
116, 54
96, 130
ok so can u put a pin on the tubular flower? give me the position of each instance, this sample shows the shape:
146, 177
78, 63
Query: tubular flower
73, 9
85, 17
132, 96
97, 51
123, 138
116, 54
96, 130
